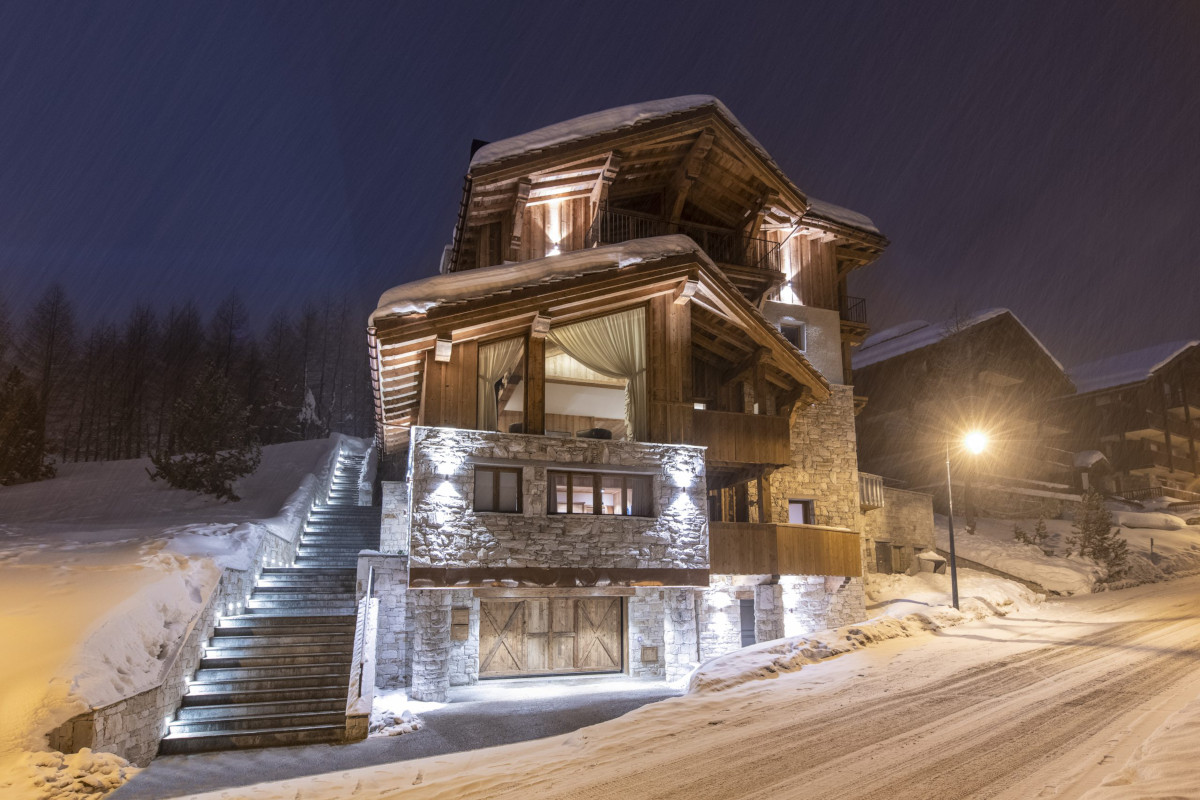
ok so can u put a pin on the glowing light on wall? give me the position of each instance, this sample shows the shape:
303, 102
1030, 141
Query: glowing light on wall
682, 478
554, 227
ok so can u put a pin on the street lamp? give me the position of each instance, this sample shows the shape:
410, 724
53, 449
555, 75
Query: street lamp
976, 443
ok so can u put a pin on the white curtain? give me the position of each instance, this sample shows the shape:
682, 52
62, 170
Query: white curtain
496, 360
614, 346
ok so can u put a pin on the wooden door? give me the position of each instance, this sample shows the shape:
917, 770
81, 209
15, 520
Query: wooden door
550, 635
598, 634
502, 638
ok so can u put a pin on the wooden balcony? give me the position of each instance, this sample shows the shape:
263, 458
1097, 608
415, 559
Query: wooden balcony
870, 491
764, 548
742, 438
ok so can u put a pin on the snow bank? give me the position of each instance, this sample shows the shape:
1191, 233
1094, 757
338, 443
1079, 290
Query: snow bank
907, 606
1149, 519
993, 546
64, 777
417, 297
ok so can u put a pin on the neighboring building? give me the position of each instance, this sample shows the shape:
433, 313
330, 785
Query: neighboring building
929, 383
1142, 411
617, 431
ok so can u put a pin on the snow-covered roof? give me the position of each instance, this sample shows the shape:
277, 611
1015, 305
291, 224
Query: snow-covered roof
417, 297
842, 216
1086, 459
1125, 368
917, 334
612, 119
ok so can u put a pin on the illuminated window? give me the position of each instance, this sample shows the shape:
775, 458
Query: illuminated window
594, 493
498, 489
800, 512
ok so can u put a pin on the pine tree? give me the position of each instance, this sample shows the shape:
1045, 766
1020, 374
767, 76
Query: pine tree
1020, 535
22, 456
1040, 534
213, 443
1094, 535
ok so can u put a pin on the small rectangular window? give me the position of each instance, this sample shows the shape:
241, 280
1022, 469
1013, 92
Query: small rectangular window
498, 489
593, 493
800, 512
795, 334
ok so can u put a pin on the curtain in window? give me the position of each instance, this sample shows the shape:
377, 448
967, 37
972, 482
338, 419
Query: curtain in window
614, 346
496, 360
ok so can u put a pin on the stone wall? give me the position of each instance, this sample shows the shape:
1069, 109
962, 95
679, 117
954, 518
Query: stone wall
430, 644
768, 612
464, 654
391, 640
812, 603
393, 526
823, 334
906, 520
719, 618
824, 463
447, 532
645, 610
681, 653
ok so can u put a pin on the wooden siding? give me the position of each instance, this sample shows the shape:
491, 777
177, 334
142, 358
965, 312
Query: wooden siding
742, 438
669, 371
757, 548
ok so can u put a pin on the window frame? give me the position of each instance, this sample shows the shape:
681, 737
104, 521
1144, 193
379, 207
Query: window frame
801, 329
496, 471
597, 480
809, 506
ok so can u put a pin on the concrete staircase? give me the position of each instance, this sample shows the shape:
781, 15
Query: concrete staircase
279, 673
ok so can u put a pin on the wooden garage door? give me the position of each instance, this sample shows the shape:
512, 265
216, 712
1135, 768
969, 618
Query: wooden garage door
550, 635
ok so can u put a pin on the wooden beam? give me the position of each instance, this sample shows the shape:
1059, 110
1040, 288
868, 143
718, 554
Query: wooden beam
518, 218
535, 382
685, 292
765, 505
687, 173
751, 362
604, 182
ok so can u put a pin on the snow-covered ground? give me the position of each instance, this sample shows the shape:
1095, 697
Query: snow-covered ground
1176, 549
1051, 699
101, 573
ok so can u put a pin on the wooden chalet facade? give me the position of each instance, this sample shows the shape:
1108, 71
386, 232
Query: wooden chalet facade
1142, 411
617, 430
931, 383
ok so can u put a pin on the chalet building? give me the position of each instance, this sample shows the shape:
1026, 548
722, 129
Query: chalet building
617, 429
1141, 410
929, 383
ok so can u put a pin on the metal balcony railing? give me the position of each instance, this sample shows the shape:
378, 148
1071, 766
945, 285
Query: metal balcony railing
853, 309
612, 226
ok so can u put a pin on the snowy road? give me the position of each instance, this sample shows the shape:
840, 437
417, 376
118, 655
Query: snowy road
1042, 704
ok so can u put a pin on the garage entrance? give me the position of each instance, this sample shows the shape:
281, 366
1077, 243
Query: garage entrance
550, 636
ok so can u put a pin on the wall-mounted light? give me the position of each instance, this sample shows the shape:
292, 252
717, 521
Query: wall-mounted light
442, 350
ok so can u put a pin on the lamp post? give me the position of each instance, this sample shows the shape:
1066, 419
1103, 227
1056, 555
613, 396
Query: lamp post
975, 442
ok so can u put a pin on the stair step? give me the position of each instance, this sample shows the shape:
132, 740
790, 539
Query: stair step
226, 649
330, 656
283, 669
190, 713
264, 722
325, 684
276, 737
273, 638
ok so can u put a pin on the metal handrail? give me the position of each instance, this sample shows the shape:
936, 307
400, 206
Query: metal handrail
853, 309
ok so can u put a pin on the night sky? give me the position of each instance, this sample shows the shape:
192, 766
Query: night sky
1040, 156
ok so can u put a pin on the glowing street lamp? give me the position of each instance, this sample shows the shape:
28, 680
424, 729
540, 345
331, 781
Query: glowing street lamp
974, 442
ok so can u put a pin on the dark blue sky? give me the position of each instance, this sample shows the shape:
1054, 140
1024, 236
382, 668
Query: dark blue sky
1040, 156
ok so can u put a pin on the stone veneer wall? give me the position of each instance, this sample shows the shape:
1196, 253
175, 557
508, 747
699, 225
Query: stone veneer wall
814, 603
824, 462
768, 612
680, 635
447, 532
906, 519
132, 727
431, 649
391, 639
646, 621
393, 525
464, 655
719, 618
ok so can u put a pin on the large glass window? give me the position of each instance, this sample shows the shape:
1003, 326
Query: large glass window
596, 493
497, 489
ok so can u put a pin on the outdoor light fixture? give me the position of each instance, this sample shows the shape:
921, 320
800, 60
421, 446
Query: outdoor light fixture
974, 442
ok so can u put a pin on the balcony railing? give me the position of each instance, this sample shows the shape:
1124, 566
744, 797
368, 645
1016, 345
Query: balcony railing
613, 226
1138, 455
766, 548
742, 438
870, 491
853, 309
